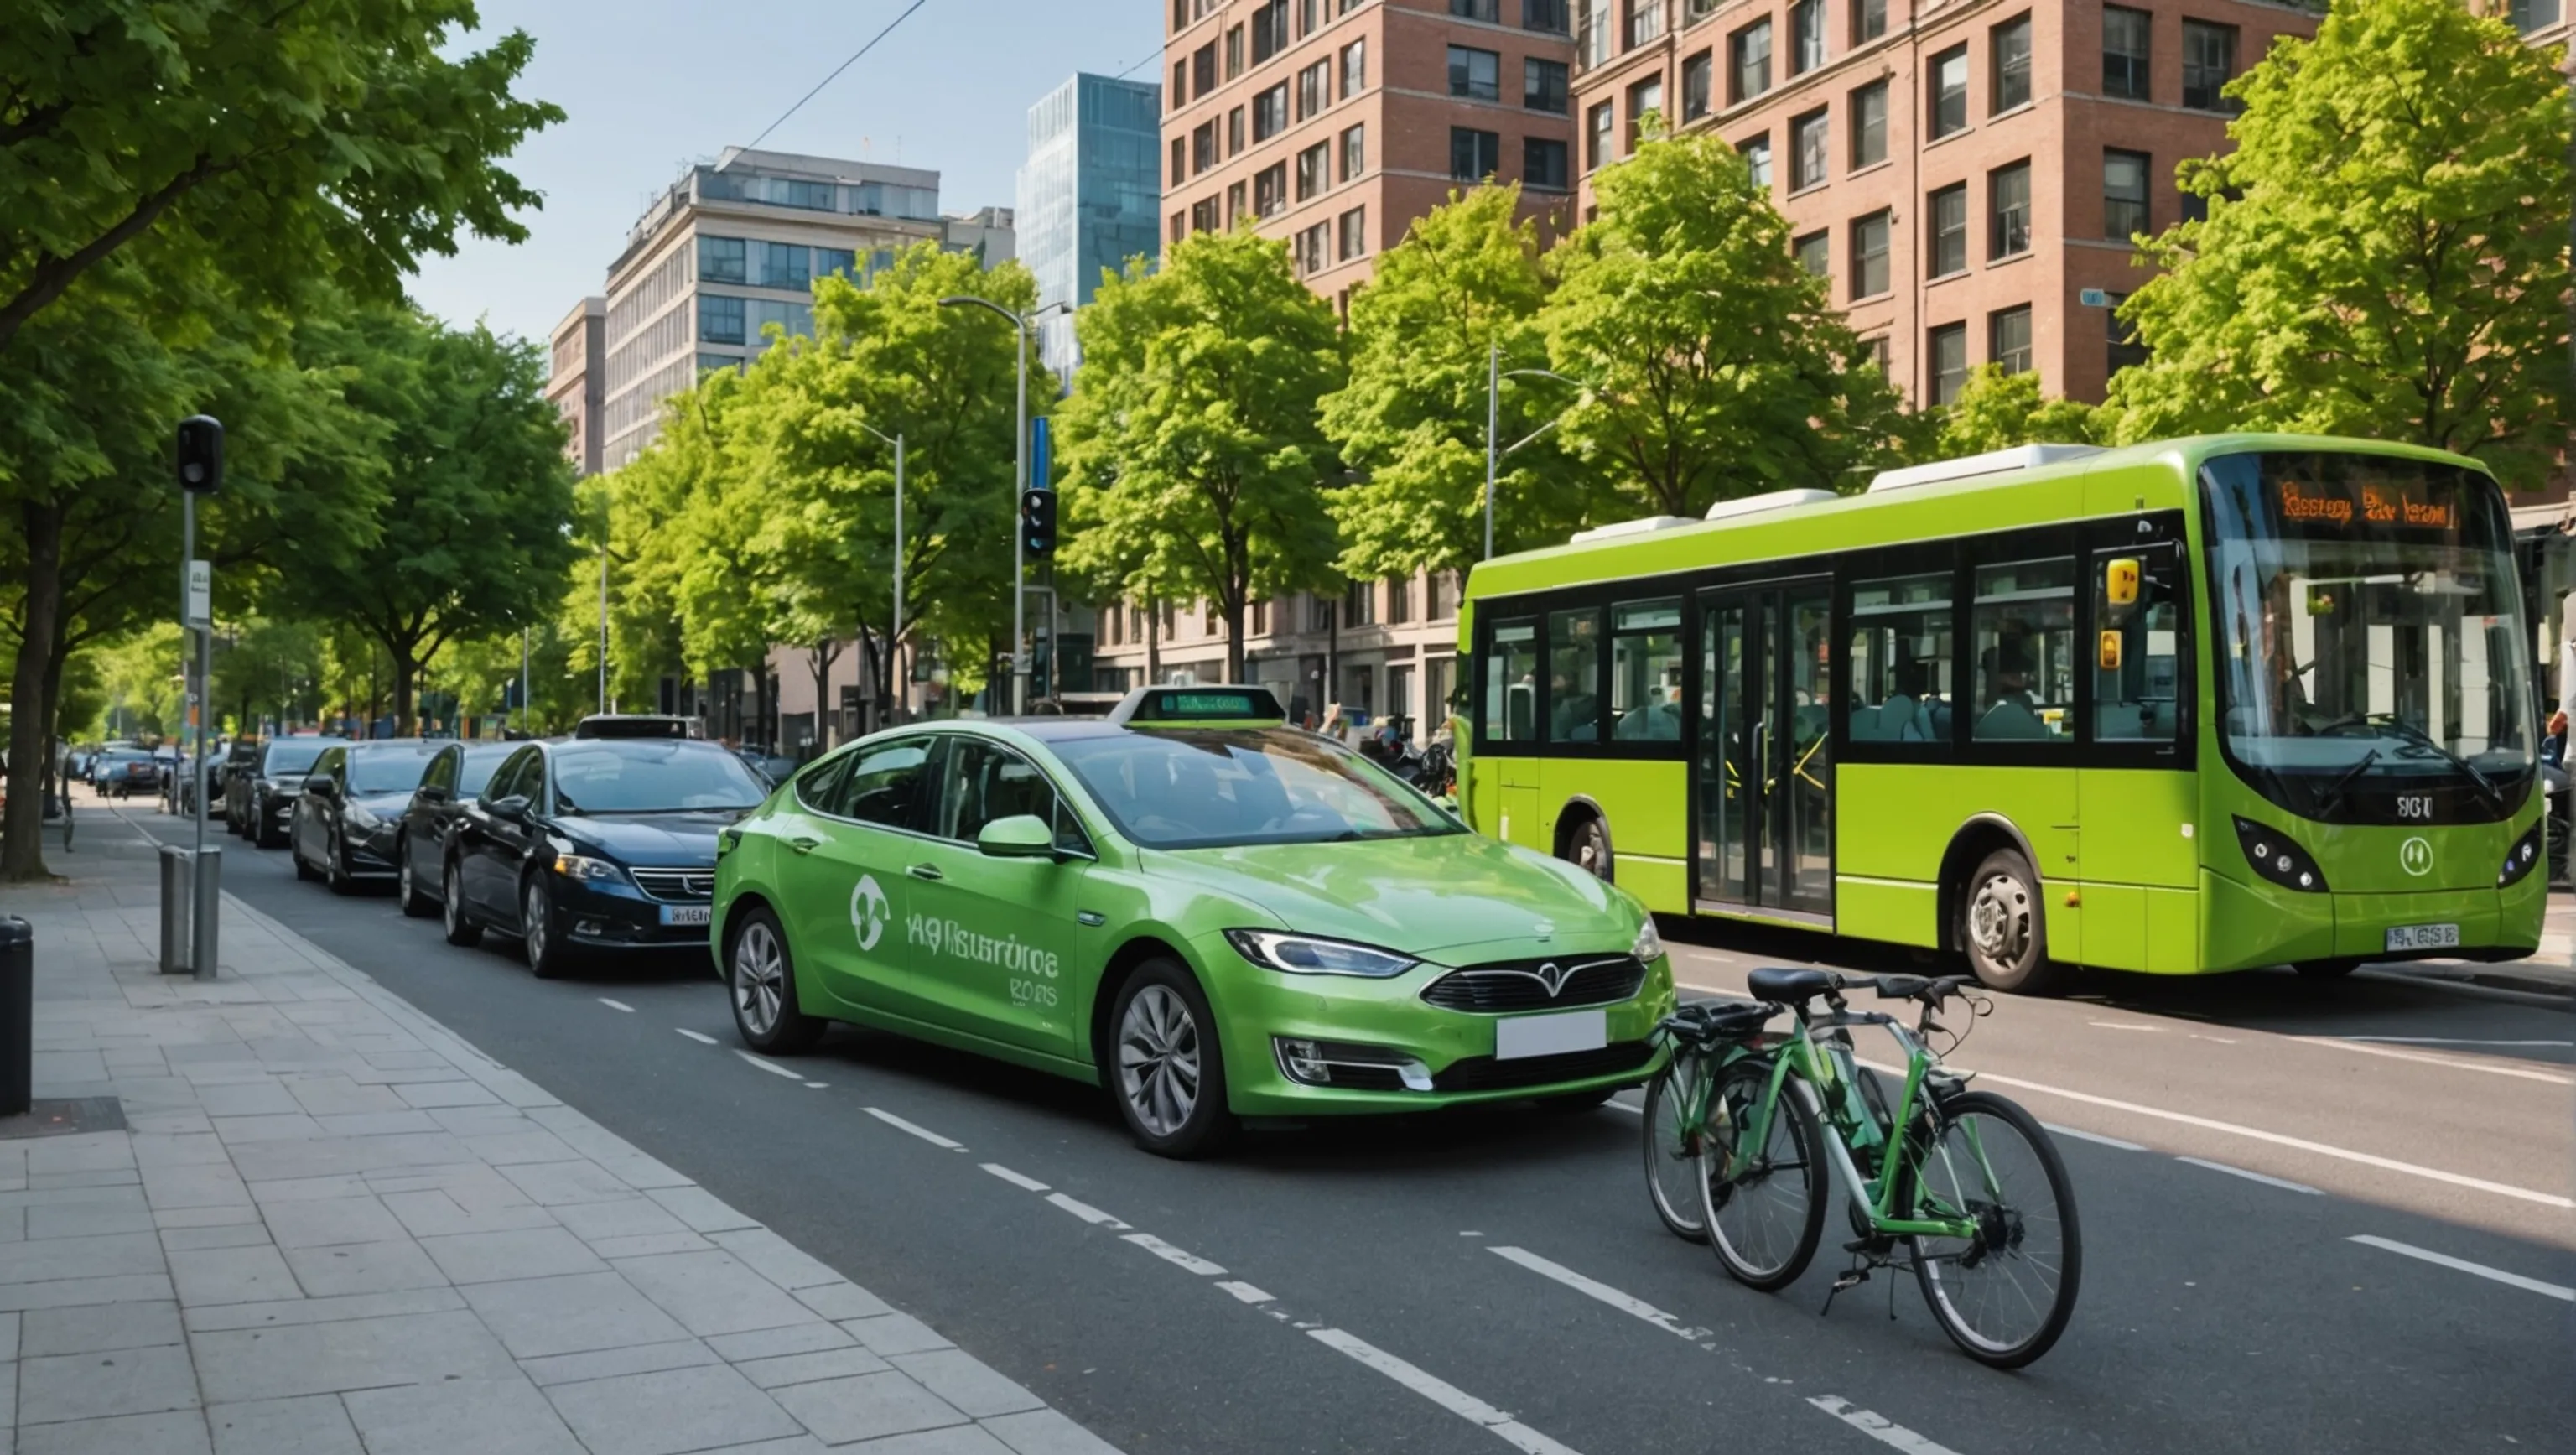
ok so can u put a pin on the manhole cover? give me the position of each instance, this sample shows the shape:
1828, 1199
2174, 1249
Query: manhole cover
62, 1116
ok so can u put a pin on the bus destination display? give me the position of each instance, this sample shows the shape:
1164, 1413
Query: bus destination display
2381, 504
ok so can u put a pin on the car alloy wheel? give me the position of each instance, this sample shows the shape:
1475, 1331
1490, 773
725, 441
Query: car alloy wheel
759, 978
1158, 1060
537, 924
461, 929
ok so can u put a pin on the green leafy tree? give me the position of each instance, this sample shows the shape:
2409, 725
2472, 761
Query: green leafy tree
1463, 288
1996, 411
474, 538
1194, 458
1721, 368
2386, 248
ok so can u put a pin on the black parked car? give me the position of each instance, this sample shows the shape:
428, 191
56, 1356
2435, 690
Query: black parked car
595, 844
123, 772
455, 775
348, 821
260, 794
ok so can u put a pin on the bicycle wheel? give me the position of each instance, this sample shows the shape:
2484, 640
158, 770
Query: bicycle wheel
2005, 1295
1764, 1206
1672, 1148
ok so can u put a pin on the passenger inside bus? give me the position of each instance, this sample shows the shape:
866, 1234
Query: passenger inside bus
1657, 720
2010, 710
1909, 715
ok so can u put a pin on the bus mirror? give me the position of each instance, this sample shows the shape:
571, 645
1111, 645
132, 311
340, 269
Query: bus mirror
2110, 657
2120, 581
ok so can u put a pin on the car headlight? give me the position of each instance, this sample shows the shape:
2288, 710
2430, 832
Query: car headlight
2277, 859
1650, 943
1307, 955
2523, 857
574, 866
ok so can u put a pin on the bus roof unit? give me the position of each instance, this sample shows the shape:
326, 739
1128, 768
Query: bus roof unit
1775, 500
1993, 462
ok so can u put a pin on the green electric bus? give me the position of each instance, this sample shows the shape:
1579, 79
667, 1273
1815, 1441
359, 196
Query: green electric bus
2193, 706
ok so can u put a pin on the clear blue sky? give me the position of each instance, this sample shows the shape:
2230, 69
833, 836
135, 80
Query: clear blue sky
652, 85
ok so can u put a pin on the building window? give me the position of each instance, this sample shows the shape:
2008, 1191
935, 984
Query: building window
1234, 200
1475, 75
1597, 126
1269, 30
1748, 54
1474, 155
1806, 36
1312, 245
1180, 84
1354, 234
1646, 98
2529, 16
2208, 64
1234, 53
1270, 190
1203, 214
1869, 244
1808, 139
1949, 355
2008, 211
1180, 162
1399, 607
2125, 349
1548, 15
719, 319
2008, 339
1949, 231
1180, 226
783, 265
1757, 160
1699, 75
1869, 21
1354, 68
1815, 253
1488, 11
1203, 146
1354, 153
1869, 125
1309, 15
2011, 65
1270, 113
1543, 163
2195, 208
1359, 604
1645, 22
1203, 69
1314, 170
1949, 91
2124, 195
1314, 89
1543, 86
725, 259
1234, 132
2124, 52
1873, 351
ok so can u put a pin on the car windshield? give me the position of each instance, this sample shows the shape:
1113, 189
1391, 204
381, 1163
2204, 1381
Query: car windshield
643, 776
476, 768
2370, 623
388, 770
288, 759
1218, 788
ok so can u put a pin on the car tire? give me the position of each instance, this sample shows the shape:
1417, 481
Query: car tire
407, 895
335, 868
303, 870
461, 929
1587, 847
760, 981
263, 837
1166, 1069
540, 937
2003, 925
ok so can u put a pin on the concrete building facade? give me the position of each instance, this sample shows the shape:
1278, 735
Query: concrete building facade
575, 384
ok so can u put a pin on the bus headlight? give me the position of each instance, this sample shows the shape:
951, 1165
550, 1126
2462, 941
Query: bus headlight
2277, 859
2525, 856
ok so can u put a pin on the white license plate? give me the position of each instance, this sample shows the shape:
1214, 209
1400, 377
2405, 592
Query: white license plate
2424, 937
1551, 1035
688, 914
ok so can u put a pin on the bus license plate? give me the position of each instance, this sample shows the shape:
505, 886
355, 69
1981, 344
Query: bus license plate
699, 914
2424, 937
1551, 1035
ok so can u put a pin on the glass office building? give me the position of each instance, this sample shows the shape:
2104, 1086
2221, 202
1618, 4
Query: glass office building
1090, 191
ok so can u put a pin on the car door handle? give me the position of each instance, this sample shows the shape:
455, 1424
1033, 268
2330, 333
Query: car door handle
804, 846
925, 871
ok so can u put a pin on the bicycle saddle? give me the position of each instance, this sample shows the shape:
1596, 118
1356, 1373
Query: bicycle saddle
1789, 986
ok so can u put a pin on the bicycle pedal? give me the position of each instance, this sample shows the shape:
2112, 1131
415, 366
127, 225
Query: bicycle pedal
1851, 1279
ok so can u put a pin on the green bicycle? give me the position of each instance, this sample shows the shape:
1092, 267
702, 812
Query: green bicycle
1962, 1187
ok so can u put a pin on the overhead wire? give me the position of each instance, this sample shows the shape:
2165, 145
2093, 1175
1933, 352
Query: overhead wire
836, 72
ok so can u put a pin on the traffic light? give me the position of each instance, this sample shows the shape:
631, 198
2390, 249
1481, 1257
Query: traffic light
1037, 522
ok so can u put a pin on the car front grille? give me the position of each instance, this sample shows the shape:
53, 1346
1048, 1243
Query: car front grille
1561, 983
677, 886
1484, 1073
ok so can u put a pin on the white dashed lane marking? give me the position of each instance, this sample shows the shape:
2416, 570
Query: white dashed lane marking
2519, 1073
2283, 1183
1244, 1291
915, 1128
772, 1067
1088, 1213
1177, 1257
617, 1005
697, 1036
2463, 1265
1440, 1392
1878, 1427
2055, 1130
1018, 1180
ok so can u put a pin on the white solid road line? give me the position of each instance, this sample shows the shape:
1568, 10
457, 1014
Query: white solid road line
2366, 1159
1016, 1179
1244, 1291
2449, 1041
1878, 1427
1440, 1392
703, 1040
2280, 1182
1617, 1105
1636, 1308
1088, 1213
2465, 1266
617, 1005
2522, 1073
2055, 1130
1177, 1257
925, 1133
772, 1067
2126, 1026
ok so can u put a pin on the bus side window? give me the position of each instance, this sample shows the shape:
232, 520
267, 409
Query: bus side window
1511, 683
1900, 660
2137, 653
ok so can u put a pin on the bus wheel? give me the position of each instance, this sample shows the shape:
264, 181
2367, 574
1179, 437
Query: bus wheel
2004, 925
1587, 846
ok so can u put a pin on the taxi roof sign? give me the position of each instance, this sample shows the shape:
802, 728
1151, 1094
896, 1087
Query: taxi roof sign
1148, 705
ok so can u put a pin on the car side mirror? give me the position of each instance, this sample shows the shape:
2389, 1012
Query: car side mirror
513, 808
1021, 836
431, 793
321, 783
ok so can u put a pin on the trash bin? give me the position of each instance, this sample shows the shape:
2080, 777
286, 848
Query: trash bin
209, 915
17, 1014
176, 893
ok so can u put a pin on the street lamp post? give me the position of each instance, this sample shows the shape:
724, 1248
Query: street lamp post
894, 639
1020, 475
1495, 374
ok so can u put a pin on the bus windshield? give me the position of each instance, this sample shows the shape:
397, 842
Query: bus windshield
2370, 635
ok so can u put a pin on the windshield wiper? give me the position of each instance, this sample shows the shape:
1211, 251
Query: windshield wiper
2329, 800
2423, 739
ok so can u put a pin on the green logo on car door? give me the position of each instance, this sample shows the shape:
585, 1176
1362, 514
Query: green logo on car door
869, 913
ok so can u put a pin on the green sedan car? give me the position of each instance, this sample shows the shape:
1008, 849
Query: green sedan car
1211, 914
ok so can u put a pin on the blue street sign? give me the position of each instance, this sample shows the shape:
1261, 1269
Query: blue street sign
1041, 475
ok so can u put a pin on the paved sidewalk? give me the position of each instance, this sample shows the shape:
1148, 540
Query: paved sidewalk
334, 1227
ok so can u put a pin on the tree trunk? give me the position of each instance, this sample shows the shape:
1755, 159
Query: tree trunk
406, 672
22, 849
822, 656
1153, 642
1234, 609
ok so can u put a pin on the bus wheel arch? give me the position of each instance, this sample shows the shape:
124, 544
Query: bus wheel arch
1583, 838
1989, 847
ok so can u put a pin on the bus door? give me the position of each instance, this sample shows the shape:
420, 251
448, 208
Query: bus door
1762, 769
